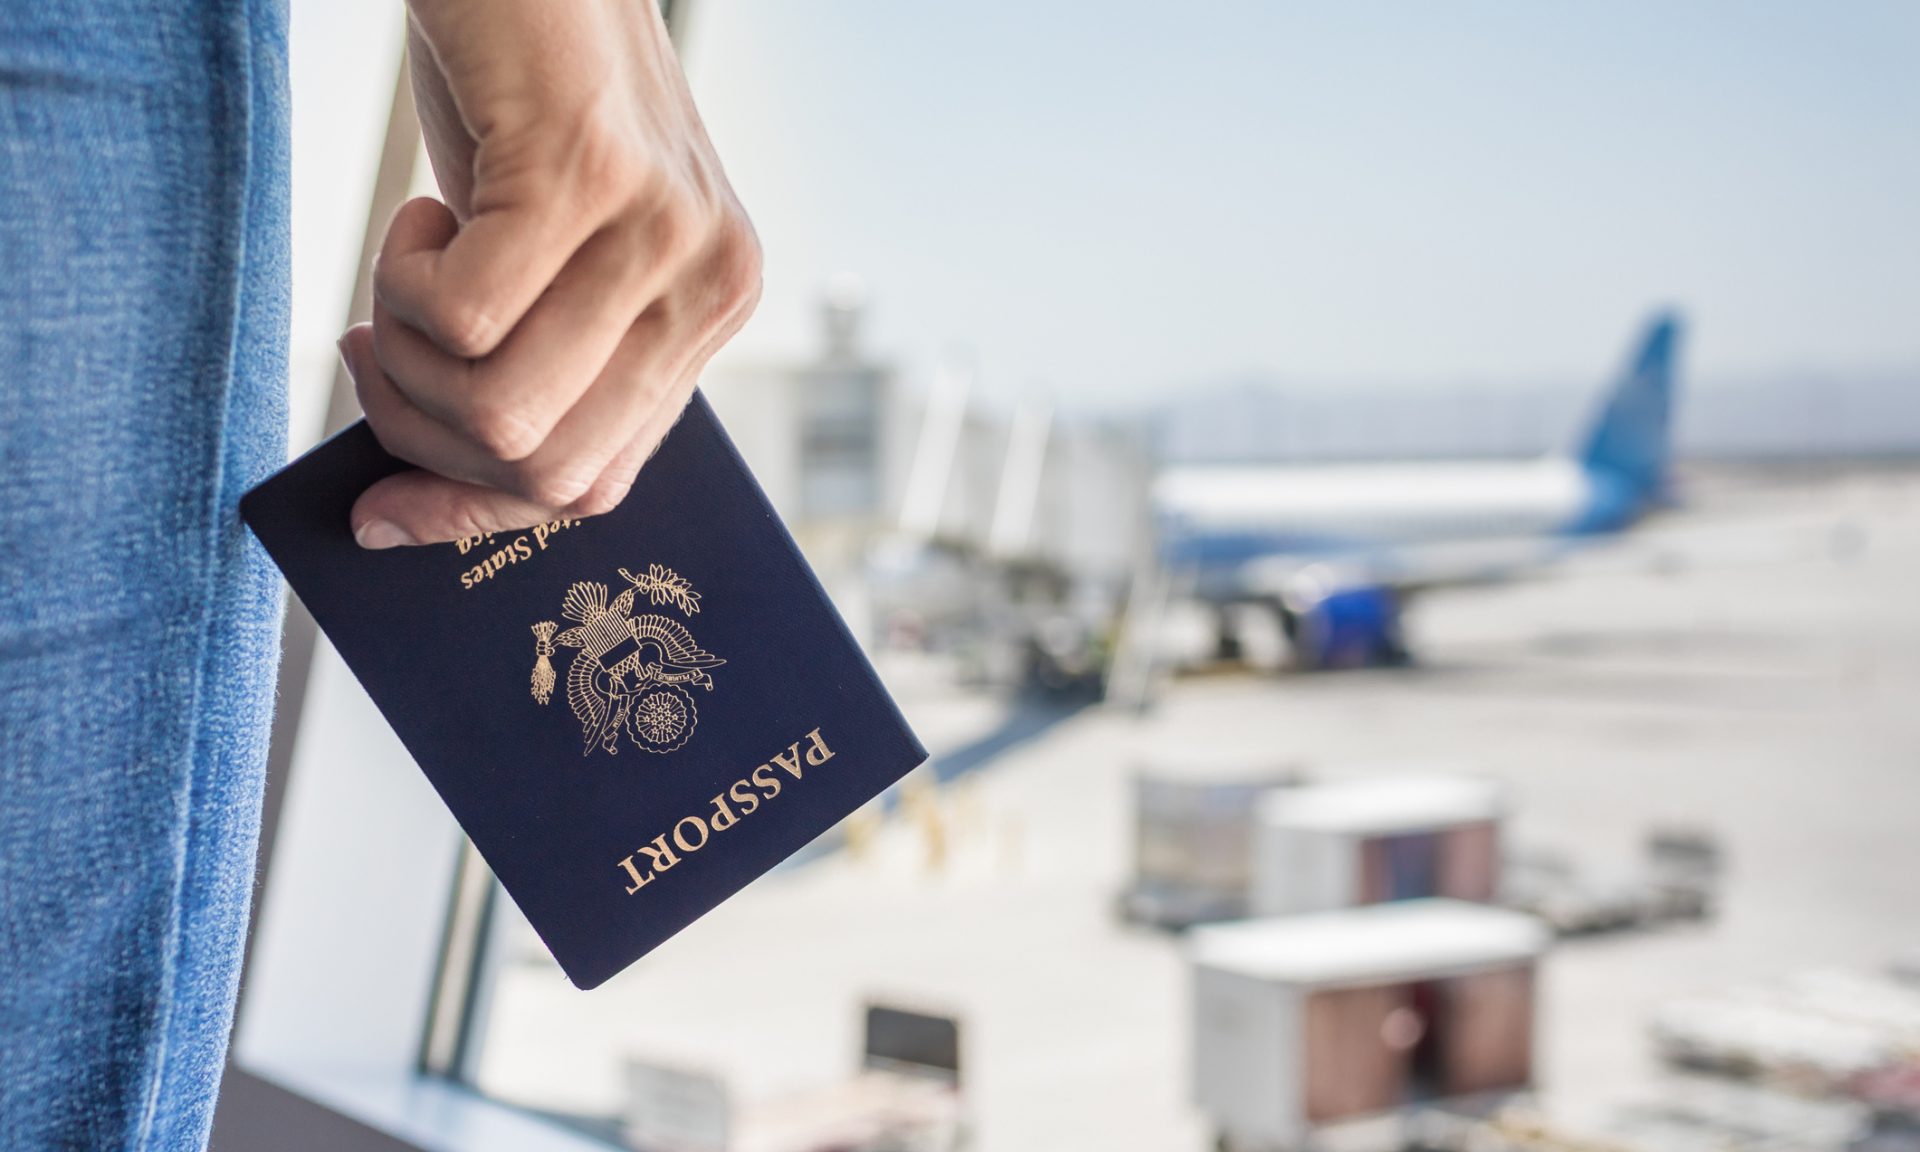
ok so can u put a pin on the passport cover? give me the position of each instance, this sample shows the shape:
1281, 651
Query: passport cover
632, 716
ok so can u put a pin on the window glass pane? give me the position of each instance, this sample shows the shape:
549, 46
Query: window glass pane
1507, 411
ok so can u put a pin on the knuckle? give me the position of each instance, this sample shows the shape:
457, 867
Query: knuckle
462, 516
503, 433
606, 166
602, 185
737, 266
604, 496
676, 223
383, 415
463, 328
552, 487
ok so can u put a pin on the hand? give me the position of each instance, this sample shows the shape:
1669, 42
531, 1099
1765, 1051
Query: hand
536, 336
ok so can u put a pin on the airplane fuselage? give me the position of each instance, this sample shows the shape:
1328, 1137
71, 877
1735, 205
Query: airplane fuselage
1337, 547
1302, 510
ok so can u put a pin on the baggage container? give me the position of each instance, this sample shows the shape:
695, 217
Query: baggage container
1310, 1020
1193, 839
1374, 839
904, 1098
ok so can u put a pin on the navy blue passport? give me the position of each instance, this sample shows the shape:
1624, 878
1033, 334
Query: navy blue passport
633, 715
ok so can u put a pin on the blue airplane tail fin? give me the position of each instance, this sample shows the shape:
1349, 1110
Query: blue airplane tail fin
1630, 440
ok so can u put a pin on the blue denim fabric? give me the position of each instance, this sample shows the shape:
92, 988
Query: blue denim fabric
143, 313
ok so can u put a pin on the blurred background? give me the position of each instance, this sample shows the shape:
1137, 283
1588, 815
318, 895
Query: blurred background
1397, 523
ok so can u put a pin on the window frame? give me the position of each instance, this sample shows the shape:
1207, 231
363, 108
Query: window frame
365, 975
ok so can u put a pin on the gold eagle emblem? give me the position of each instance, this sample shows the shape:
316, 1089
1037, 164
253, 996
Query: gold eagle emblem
629, 673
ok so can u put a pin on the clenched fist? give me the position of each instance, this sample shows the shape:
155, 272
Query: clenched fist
534, 337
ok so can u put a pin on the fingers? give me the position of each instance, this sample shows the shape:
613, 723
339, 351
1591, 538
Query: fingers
578, 472
589, 436
426, 508
466, 285
509, 401
530, 351
640, 395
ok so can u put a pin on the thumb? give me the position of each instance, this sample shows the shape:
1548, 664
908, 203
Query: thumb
425, 508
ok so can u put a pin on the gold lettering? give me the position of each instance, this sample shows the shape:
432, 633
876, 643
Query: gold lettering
771, 783
791, 761
661, 855
517, 549
682, 840
741, 799
639, 881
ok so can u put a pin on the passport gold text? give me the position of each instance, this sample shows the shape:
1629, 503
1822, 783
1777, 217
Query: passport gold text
514, 551
747, 795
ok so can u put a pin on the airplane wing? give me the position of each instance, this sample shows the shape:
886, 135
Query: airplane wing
1343, 609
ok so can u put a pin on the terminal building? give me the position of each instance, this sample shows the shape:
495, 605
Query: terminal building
915, 498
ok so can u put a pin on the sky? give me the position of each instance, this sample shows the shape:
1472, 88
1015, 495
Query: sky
1110, 202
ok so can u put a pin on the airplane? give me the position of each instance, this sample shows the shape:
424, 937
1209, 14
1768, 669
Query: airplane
1336, 550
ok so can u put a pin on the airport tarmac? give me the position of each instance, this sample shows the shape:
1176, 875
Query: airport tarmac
1749, 663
